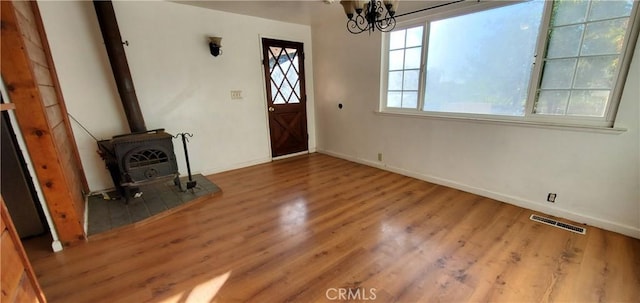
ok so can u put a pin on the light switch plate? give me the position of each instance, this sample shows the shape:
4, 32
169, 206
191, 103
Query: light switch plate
236, 94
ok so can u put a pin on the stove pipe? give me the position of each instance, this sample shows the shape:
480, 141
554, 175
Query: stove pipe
118, 59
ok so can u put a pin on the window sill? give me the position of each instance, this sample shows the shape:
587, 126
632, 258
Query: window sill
547, 125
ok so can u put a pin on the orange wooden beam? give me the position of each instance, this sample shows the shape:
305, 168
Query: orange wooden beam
40, 118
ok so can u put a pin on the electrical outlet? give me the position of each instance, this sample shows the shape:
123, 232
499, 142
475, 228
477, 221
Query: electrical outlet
551, 197
236, 94
380, 157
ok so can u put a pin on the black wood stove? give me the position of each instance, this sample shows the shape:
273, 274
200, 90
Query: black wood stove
141, 156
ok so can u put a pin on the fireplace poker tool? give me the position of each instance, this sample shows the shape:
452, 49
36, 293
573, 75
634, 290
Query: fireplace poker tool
191, 183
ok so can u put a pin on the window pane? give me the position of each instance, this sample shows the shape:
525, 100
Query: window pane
413, 57
278, 99
286, 90
409, 99
588, 103
405, 62
596, 72
558, 73
394, 99
604, 37
411, 79
565, 41
598, 60
610, 9
274, 90
396, 59
552, 102
395, 80
488, 71
296, 89
396, 40
292, 76
414, 36
569, 11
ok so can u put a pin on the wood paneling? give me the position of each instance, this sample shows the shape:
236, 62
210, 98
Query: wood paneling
17, 279
42, 75
76, 164
290, 230
42, 121
54, 118
26, 21
36, 53
48, 93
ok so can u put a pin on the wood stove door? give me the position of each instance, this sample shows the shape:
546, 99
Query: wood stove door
286, 96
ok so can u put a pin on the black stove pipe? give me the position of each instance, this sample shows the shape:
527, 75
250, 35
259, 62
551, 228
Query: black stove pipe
119, 65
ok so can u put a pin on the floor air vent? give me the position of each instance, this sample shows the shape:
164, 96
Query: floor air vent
565, 226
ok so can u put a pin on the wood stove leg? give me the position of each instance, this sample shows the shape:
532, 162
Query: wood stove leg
126, 194
176, 181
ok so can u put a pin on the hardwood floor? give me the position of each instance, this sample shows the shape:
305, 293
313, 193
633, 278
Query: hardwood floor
316, 228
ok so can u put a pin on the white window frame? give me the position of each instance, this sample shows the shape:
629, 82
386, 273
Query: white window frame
464, 8
385, 67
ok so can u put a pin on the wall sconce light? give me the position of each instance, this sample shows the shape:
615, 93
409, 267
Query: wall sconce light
215, 43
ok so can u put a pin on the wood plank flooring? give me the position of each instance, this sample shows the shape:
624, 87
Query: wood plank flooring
319, 229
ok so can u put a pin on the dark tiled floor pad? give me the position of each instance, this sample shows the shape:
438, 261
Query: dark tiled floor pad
106, 214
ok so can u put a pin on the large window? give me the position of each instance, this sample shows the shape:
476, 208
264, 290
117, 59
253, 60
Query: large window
562, 61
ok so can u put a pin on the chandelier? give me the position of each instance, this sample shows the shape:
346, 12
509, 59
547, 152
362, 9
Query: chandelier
367, 16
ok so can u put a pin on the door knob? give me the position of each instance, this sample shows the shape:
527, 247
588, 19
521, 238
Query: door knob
271, 108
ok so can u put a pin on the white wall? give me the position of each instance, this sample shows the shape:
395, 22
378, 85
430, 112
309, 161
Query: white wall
179, 85
596, 175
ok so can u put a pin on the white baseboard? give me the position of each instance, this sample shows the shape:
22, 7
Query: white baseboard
215, 170
630, 231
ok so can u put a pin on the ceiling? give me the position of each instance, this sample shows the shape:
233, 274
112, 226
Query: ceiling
305, 12
300, 12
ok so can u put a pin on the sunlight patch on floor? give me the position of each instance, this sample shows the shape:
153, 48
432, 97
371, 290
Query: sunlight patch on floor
204, 292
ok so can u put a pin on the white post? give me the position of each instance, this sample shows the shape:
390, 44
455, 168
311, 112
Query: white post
56, 245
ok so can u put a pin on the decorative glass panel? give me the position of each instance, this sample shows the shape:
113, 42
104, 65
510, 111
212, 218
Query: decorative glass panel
278, 99
283, 67
296, 89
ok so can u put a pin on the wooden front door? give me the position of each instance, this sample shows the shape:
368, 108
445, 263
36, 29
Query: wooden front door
286, 96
